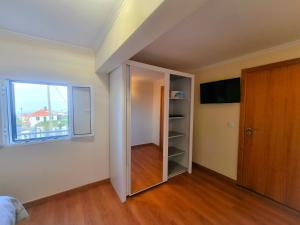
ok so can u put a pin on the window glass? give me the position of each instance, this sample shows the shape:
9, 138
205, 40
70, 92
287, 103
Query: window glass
38, 111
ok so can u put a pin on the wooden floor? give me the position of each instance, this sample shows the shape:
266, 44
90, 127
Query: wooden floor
147, 166
186, 199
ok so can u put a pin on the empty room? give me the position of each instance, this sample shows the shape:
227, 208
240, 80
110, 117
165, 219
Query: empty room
124, 112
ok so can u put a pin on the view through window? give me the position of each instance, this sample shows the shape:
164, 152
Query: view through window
38, 111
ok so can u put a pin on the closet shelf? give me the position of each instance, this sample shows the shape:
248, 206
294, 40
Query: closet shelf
175, 168
173, 151
179, 101
175, 134
175, 116
177, 98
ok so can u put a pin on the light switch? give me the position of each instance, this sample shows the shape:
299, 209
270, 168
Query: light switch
230, 124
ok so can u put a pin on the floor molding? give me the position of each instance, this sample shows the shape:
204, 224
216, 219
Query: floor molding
64, 193
214, 173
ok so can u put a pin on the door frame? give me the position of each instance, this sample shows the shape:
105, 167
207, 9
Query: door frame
240, 177
161, 118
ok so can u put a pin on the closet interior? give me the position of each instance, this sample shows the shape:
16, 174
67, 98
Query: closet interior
179, 124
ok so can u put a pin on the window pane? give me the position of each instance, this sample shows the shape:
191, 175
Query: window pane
39, 111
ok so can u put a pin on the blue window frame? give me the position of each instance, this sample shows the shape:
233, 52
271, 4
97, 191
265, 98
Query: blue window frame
29, 101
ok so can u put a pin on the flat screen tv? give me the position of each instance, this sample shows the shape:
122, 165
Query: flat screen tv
223, 91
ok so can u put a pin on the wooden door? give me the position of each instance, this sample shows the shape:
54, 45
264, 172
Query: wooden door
292, 127
269, 153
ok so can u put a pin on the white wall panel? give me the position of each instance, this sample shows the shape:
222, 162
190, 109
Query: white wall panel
117, 122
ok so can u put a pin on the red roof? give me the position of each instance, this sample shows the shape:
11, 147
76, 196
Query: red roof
42, 112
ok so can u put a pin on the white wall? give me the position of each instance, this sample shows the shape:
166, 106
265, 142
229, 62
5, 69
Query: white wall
216, 142
141, 112
145, 111
33, 171
156, 110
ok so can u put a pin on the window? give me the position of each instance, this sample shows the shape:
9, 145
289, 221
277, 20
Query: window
34, 108
37, 112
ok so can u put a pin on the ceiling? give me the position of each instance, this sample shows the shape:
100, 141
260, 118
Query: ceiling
221, 30
78, 22
141, 74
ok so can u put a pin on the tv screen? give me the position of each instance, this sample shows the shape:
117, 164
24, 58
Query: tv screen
224, 91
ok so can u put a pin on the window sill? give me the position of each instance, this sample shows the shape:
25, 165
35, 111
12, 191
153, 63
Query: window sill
34, 142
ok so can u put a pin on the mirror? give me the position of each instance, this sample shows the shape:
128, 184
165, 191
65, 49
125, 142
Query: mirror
147, 110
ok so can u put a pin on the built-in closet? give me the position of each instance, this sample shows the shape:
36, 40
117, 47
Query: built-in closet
170, 95
180, 114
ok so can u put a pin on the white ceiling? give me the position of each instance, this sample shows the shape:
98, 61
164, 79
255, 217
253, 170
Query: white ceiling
78, 22
141, 74
223, 29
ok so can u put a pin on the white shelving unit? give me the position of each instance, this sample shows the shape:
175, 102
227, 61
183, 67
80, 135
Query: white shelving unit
175, 168
173, 151
180, 110
176, 117
175, 134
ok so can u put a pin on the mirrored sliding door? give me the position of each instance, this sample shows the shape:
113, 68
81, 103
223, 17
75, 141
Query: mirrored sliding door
147, 110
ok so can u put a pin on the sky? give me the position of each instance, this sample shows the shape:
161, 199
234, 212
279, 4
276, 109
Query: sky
33, 97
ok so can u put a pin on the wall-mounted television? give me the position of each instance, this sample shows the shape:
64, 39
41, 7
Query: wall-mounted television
223, 91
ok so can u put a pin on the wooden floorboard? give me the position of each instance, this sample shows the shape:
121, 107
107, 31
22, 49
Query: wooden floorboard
199, 198
146, 166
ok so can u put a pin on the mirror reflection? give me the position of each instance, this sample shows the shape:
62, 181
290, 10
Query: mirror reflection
147, 91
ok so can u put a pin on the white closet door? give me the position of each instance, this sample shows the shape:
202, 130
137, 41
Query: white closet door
117, 123
82, 111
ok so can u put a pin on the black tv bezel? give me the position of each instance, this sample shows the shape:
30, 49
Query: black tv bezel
220, 102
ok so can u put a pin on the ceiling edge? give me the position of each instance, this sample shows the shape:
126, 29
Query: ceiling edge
5, 33
250, 55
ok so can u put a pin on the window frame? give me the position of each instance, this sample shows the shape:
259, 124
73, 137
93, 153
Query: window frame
11, 115
73, 134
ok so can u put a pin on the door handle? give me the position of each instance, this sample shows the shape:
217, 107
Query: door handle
249, 131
